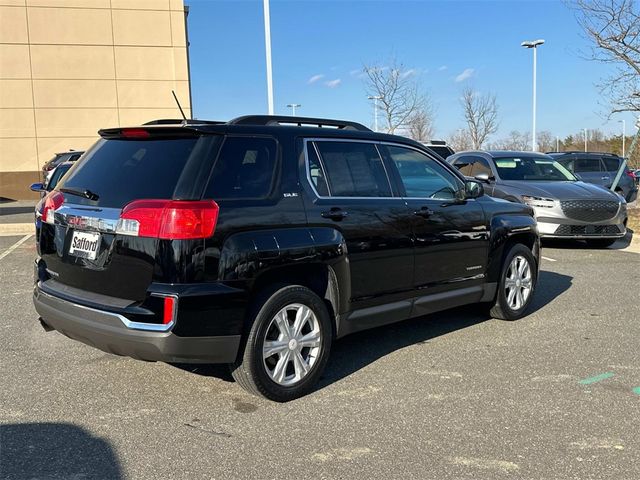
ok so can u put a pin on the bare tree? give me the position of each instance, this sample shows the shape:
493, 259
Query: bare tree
460, 140
420, 123
614, 28
546, 141
397, 92
481, 115
514, 141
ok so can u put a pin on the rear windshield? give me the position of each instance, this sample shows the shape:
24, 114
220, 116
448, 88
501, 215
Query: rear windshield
120, 171
441, 150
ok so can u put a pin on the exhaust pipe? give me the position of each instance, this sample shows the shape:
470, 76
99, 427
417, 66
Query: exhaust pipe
45, 326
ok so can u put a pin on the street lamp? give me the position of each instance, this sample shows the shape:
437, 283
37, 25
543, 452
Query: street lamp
375, 99
586, 137
293, 107
267, 46
624, 134
534, 45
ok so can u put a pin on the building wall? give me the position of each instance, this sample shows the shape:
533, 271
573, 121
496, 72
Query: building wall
71, 67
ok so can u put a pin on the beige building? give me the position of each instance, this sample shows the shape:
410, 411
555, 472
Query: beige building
71, 67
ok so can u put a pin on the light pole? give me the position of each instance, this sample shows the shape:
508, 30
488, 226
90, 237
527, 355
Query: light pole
624, 134
534, 45
375, 99
557, 144
586, 136
293, 107
267, 46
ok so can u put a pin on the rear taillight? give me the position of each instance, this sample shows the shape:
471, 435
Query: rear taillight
169, 219
630, 174
51, 202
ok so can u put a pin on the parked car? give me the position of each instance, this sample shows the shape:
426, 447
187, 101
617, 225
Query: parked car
43, 188
58, 158
53, 178
259, 241
440, 147
565, 207
599, 169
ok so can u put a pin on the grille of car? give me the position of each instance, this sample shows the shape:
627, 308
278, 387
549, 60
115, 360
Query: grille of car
569, 230
590, 210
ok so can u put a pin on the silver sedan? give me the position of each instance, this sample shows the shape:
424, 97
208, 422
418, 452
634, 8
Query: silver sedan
565, 207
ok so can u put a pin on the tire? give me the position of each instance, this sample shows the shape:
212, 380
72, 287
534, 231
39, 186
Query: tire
281, 376
506, 306
601, 242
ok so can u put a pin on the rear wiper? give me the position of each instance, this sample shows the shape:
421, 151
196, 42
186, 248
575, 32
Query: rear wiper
86, 193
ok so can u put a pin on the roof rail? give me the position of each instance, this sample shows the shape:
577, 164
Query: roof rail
437, 142
588, 153
299, 121
179, 121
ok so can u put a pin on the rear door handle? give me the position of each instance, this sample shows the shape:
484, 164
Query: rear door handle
335, 213
424, 212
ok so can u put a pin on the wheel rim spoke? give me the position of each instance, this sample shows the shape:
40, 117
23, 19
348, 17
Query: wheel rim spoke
281, 367
271, 347
311, 339
283, 323
300, 365
302, 317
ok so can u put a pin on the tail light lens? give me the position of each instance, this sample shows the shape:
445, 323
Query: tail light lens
630, 174
169, 219
169, 310
51, 202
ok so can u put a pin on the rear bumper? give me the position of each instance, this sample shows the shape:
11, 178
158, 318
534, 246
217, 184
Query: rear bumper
106, 331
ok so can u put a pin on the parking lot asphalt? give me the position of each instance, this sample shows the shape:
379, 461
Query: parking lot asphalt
454, 395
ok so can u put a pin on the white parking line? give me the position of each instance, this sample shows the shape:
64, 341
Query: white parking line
15, 245
548, 259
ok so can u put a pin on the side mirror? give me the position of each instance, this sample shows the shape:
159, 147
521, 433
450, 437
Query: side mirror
483, 177
37, 187
473, 189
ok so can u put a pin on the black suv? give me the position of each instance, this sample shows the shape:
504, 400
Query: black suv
259, 241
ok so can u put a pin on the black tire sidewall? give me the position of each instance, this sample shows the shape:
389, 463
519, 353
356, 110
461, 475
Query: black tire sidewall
253, 352
516, 250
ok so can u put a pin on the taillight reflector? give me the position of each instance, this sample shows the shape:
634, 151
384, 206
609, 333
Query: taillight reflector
169, 310
169, 219
52, 202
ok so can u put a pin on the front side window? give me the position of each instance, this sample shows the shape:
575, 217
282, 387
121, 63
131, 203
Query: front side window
465, 165
482, 166
422, 176
244, 169
351, 169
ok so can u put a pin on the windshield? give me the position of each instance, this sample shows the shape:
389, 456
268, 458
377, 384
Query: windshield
532, 169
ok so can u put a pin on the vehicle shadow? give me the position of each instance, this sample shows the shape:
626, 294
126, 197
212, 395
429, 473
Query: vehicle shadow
358, 350
55, 450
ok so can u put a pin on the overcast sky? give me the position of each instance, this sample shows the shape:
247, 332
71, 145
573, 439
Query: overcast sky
319, 48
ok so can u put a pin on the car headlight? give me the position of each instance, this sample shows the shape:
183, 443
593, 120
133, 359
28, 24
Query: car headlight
539, 202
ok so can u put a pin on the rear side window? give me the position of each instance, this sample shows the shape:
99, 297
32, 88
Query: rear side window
585, 165
353, 169
120, 171
611, 164
244, 169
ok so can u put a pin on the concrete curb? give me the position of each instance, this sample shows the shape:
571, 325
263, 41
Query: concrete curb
13, 229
